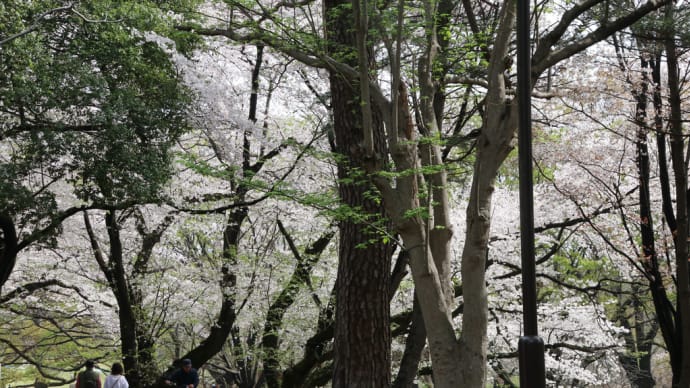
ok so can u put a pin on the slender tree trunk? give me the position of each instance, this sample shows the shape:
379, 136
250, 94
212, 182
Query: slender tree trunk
225, 322
681, 373
403, 205
475, 314
666, 316
638, 366
414, 346
115, 273
439, 228
666, 201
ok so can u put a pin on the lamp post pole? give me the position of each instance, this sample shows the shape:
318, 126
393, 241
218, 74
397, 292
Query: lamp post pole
530, 345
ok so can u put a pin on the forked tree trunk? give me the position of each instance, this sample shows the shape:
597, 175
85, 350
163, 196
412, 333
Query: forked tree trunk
136, 343
465, 365
493, 145
113, 268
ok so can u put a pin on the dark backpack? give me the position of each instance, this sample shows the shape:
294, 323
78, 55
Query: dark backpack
88, 379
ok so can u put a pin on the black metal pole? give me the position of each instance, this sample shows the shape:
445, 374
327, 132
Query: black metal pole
530, 346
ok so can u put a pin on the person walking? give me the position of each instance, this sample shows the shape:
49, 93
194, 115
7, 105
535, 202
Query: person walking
115, 379
186, 377
88, 378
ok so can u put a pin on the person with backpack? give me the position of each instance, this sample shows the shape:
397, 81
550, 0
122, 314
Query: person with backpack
115, 379
88, 378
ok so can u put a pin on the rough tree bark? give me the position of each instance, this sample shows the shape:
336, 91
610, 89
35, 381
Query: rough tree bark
362, 328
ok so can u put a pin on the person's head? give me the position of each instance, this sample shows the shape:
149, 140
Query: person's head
117, 369
89, 364
186, 365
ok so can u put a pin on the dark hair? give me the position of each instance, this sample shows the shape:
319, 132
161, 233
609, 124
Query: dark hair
89, 363
117, 369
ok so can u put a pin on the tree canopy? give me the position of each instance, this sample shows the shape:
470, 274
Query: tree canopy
301, 194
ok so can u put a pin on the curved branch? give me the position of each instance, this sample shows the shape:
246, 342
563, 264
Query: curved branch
35, 286
545, 57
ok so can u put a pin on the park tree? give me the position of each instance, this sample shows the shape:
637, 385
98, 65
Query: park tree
90, 111
74, 77
362, 330
401, 192
418, 96
493, 144
652, 303
120, 208
244, 164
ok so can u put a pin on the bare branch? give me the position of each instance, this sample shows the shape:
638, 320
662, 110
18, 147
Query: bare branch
35, 286
545, 57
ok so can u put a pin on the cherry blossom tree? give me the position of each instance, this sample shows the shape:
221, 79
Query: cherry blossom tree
226, 253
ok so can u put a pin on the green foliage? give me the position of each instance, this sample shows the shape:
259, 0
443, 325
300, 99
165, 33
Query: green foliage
201, 166
580, 267
90, 106
508, 174
86, 99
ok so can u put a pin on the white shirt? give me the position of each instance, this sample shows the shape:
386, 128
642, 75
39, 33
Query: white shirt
116, 381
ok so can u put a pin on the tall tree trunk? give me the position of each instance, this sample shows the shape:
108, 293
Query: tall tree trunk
681, 366
667, 315
401, 194
404, 204
232, 234
115, 274
362, 328
438, 224
219, 333
638, 366
148, 370
136, 342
